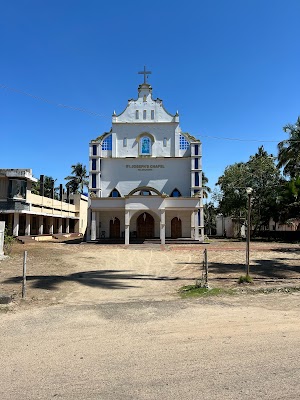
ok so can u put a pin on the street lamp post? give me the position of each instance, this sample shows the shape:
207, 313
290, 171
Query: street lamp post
249, 191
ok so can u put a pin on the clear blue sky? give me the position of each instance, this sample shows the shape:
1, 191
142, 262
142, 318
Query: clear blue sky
230, 67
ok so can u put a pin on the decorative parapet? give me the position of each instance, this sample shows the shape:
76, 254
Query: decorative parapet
190, 138
18, 173
101, 137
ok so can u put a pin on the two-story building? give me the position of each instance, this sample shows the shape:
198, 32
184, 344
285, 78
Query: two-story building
145, 176
26, 213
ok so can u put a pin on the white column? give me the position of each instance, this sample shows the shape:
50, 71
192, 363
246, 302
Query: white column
76, 225
202, 224
59, 225
93, 226
67, 225
41, 226
162, 227
51, 226
192, 183
196, 225
127, 226
27, 227
16, 224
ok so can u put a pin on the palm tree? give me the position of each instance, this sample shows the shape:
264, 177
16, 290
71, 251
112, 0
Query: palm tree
289, 150
206, 189
78, 178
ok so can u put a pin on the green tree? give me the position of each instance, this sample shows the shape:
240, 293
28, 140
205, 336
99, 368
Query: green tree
262, 175
289, 151
232, 199
78, 178
289, 202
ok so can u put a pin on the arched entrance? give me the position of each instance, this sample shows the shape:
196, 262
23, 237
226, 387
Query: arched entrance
145, 226
176, 229
114, 228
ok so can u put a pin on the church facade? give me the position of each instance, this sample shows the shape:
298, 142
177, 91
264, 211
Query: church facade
145, 176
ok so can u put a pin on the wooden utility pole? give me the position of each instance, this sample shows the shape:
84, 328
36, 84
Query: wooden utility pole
248, 233
24, 275
206, 269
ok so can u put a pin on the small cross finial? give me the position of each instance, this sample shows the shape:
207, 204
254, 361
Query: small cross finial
145, 73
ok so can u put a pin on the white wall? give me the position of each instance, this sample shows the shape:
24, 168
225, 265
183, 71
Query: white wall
124, 175
158, 131
144, 102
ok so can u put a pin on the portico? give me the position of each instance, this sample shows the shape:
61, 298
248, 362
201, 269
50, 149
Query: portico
145, 217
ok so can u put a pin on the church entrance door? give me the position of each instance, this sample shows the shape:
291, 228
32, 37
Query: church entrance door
176, 229
114, 228
145, 226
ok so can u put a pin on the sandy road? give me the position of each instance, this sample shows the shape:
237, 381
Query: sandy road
217, 348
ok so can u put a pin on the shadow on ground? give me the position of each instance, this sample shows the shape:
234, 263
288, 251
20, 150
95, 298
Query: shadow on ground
104, 279
260, 269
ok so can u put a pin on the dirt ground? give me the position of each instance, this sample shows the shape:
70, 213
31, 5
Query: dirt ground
106, 323
83, 273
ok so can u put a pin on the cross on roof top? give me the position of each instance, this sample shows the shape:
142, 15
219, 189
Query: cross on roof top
145, 73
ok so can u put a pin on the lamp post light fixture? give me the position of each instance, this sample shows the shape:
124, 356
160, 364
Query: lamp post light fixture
249, 191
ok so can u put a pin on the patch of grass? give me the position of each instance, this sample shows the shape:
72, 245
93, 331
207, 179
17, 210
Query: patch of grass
245, 279
196, 291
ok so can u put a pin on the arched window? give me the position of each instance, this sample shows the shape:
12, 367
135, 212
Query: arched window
114, 193
145, 193
145, 146
175, 193
107, 143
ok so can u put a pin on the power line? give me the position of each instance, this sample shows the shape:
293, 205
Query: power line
84, 110
246, 140
44, 100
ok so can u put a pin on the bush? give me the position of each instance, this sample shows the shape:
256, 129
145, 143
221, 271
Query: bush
245, 279
8, 242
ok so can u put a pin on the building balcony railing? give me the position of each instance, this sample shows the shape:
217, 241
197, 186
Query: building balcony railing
13, 206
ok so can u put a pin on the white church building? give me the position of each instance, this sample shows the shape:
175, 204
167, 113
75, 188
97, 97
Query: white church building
145, 176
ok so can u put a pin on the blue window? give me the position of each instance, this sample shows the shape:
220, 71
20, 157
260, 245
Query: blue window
94, 149
114, 193
145, 146
94, 181
196, 178
196, 149
175, 193
107, 143
196, 163
94, 164
183, 143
